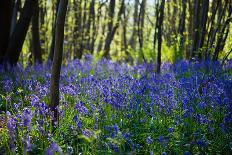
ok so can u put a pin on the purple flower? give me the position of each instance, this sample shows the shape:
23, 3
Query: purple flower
53, 148
27, 144
149, 140
170, 130
11, 125
88, 133
201, 143
27, 118
81, 108
78, 123
160, 139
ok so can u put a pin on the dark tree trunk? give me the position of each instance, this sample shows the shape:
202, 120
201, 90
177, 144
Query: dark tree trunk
156, 26
35, 36
93, 23
173, 20
197, 23
211, 26
190, 29
51, 53
124, 37
57, 60
84, 32
77, 30
223, 34
204, 18
19, 34
182, 26
141, 27
16, 8
159, 34
111, 15
5, 18
101, 41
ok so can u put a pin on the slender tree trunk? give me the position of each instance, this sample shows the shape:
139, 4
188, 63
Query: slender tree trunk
204, 18
135, 23
101, 41
112, 29
182, 27
197, 23
77, 29
223, 34
57, 60
141, 27
36, 36
156, 26
159, 35
5, 18
43, 26
190, 29
93, 23
19, 34
51, 53
211, 26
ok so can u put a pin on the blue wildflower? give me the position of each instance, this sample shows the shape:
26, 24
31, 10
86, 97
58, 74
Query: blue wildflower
149, 140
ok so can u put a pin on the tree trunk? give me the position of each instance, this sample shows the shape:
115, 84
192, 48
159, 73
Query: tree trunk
43, 26
141, 27
159, 35
51, 53
197, 23
35, 36
15, 15
211, 26
5, 18
135, 23
57, 60
77, 29
182, 27
204, 18
19, 34
190, 29
93, 23
112, 29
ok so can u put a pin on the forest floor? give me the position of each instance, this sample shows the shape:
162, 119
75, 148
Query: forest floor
110, 108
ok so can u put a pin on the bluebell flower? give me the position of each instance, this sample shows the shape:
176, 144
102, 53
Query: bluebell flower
53, 148
170, 130
160, 139
149, 140
201, 143
77, 121
88, 133
81, 108
186, 153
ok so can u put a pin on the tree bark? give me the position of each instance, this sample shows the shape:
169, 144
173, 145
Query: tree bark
5, 18
159, 34
52, 48
77, 29
16, 8
36, 36
19, 34
141, 27
182, 26
57, 60
204, 18
196, 27
135, 23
